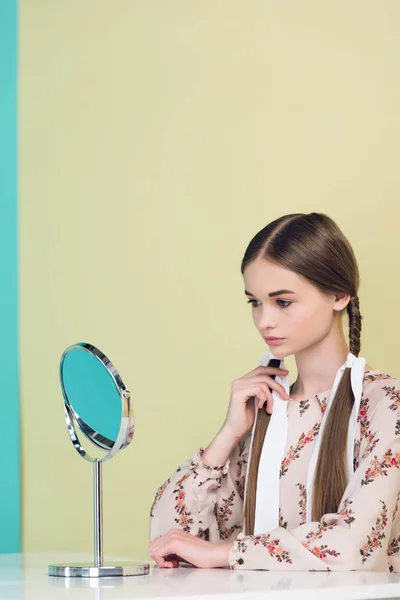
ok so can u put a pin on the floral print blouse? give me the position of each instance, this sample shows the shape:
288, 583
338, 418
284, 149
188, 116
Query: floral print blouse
364, 534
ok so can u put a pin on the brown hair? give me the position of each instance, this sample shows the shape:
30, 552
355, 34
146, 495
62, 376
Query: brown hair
332, 267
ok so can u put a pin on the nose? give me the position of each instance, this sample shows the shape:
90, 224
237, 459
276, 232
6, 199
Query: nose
266, 322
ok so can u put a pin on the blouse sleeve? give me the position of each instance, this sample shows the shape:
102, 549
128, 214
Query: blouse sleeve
357, 536
205, 500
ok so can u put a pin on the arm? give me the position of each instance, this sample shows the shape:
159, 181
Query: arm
357, 536
205, 495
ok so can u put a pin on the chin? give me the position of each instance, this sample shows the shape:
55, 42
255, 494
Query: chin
278, 352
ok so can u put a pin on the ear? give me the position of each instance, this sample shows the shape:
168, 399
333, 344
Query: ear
341, 301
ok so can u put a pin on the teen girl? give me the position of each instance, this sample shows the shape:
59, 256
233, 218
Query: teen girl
300, 477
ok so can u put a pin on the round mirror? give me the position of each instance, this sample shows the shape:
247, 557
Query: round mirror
96, 401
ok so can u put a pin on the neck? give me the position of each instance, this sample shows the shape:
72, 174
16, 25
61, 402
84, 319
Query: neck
318, 364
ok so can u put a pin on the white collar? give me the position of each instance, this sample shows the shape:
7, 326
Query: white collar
267, 497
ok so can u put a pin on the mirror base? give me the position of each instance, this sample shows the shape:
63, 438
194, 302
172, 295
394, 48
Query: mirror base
109, 569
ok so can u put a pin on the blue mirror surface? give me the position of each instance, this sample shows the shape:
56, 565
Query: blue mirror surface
92, 392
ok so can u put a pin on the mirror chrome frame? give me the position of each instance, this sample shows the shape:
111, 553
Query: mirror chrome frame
75, 423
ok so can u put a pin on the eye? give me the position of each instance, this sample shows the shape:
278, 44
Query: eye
287, 303
251, 302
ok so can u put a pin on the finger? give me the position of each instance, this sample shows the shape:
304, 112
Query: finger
269, 370
159, 560
152, 547
172, 559
278, 388
170, 564
265, 379
271, 383
156, 552
162, 550
267, 399
261, 397
159, 542
164, 561
269, 404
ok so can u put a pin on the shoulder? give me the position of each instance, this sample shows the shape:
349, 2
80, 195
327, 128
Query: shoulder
375, 379
380, 387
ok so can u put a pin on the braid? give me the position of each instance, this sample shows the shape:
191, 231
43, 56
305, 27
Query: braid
330, 478
355, 318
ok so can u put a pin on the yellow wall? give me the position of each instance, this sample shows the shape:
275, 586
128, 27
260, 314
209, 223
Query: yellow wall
156, 138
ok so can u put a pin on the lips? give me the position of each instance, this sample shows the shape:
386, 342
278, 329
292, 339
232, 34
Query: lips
273, 339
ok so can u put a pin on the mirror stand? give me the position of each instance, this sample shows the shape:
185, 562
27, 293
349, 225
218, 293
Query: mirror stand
98, 513
98, 568
97, 405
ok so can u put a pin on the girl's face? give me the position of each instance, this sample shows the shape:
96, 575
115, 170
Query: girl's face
300, 313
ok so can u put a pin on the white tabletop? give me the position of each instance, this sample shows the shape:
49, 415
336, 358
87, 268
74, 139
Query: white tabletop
24, 576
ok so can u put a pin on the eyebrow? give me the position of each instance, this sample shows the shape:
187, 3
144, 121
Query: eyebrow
278, 293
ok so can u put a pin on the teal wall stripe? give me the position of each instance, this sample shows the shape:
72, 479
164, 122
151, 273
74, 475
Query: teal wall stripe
10, 486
